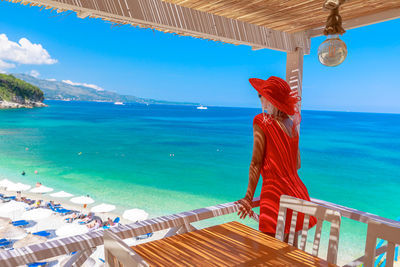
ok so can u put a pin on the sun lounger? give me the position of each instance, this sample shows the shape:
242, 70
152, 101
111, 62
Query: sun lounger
3, 240
36, 264
144, 236
42, 233
20, 223
5, 244
8, 198
86, 222
60, 209
63, 211
117, 220
13, 222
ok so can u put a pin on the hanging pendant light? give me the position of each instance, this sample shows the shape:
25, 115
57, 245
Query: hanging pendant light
333, 51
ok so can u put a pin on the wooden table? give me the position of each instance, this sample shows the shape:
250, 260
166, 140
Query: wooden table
228, 244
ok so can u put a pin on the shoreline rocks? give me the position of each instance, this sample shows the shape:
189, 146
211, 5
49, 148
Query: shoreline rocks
14, 105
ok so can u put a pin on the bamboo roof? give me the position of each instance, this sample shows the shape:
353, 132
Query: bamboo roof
273, 24
287, 16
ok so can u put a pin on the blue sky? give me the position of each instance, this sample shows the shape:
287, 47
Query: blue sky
153, 64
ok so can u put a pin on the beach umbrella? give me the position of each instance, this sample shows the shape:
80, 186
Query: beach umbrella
61, 194
82, 200
72, 229
103, 208
36, 214
30, 239
5, 183
18, 187
12, 232
135, 215
41, 189
12, 208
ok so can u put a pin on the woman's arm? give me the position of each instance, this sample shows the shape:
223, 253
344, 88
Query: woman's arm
254, 172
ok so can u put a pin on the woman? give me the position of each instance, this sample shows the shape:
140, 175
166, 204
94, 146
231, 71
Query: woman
275, 155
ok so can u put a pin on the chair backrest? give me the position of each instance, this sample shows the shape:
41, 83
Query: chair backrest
116, 220
309, 209
383, 231
118, 254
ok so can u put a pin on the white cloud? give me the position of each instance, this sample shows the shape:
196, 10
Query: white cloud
34, 73
51, 80
93, 86
5, 65
23, 52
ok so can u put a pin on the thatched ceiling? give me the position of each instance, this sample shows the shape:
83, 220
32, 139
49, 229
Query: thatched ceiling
289, 15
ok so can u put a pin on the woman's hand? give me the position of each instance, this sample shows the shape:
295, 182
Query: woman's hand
245, 208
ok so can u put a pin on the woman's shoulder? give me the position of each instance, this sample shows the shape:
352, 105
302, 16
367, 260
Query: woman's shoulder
262, 119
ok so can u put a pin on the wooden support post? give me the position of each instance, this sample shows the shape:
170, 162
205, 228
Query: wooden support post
294, 71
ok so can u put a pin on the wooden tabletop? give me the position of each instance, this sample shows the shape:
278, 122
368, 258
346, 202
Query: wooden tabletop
228, 244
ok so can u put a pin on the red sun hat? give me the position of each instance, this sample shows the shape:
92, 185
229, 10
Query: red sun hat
278, 92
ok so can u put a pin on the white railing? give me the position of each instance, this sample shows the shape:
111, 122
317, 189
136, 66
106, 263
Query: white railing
178, 223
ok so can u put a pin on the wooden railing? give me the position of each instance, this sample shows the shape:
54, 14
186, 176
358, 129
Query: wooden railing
178, 223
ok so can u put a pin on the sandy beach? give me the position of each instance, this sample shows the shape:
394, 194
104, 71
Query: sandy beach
56, 221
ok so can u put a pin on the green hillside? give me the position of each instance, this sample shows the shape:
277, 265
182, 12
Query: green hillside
18, 91
58, 90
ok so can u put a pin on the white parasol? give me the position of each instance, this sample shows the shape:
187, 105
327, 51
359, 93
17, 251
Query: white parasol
41, 189
82, 200
72, 229
103, 208
135, 215
5, 183
18, 187
12, 208
36, 214
61, 194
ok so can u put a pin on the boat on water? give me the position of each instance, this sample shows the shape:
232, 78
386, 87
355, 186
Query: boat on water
202, 107
119, 103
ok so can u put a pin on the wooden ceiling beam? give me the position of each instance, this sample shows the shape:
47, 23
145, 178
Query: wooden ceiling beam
168, 17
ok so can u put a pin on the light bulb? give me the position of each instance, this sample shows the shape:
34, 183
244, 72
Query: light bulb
332, 51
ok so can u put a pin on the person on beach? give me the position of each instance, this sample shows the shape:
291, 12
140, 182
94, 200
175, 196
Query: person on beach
276, 155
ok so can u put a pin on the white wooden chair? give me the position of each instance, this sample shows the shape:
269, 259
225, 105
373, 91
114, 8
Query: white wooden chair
383, 231
322, 213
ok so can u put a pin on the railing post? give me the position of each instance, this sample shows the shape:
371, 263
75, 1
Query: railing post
118, 253
79, 258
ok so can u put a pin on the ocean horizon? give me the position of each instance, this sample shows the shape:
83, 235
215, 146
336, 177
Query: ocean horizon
168, 159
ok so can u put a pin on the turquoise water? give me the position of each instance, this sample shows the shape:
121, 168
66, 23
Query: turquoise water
167, 159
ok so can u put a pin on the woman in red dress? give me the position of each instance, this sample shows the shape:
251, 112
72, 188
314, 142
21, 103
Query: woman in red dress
276, 155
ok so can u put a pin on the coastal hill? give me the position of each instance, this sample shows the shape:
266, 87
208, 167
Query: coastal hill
59, 90
16, 93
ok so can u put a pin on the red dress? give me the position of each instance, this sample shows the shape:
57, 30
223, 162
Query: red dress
279, 173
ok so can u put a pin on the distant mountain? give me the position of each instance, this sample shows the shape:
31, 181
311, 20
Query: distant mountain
16, 93
58, 90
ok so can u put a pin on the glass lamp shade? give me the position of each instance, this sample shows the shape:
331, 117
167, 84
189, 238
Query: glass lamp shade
332, 51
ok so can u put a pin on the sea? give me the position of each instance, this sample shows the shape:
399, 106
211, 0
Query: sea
167, 159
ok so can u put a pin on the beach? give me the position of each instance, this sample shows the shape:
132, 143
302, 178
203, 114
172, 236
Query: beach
53, 223
168, 159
